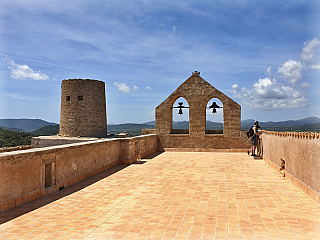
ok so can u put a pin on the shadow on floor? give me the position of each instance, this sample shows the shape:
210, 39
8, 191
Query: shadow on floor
38, 203
145, 159
153, 155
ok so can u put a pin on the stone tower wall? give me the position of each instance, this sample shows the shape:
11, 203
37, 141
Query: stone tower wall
83, 108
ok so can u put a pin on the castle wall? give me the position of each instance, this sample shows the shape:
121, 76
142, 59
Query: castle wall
296, 155
48, 141
10, 149
203, 143
30, 174
83, 108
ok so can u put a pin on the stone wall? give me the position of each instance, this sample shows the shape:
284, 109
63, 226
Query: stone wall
83, 108
30, 174
206, 142
48, 141
10, 149
198, 93
296, 156
147, 131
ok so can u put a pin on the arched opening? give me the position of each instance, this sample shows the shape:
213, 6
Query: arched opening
214, 116
180, 116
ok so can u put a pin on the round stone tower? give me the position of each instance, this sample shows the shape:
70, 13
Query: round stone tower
83, 108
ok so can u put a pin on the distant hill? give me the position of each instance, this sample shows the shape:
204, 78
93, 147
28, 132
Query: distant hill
308, 128
47, 130
133, 129
27, 125
12, 129
290, 125
150, 123
185, 125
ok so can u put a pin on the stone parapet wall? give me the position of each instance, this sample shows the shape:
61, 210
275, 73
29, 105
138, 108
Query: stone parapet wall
148, 131
11, 149
296, 155
48, 141
30, 174
207, 142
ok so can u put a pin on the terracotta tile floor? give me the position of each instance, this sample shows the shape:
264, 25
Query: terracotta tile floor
172, 196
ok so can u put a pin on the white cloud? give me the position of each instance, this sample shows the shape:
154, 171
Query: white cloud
122, 87
19, 97
171, 35
268, 94
151, 113
148, 88
23, 71
305, 85
308, 51
292, 71
315, 66
135, 87
269, 72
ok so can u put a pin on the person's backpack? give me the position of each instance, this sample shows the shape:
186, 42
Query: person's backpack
250, 132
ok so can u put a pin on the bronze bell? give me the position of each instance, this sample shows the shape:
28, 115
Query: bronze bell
214, 105
180, 111
214, 110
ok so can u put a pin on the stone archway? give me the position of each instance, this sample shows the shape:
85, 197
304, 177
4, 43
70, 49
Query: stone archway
214, 116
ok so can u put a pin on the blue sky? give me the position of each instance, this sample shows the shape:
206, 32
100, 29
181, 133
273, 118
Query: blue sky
263, 54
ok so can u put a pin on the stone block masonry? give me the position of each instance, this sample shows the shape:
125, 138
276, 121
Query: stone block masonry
296, 156
30, 174
198, 92
83, 108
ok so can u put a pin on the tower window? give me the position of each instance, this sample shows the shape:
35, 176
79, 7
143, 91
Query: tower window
80, 98
68, 98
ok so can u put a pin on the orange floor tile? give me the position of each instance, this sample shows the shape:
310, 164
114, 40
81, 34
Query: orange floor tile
174, 195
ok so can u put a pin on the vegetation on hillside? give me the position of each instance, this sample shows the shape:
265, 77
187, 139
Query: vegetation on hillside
47, 130
12, 138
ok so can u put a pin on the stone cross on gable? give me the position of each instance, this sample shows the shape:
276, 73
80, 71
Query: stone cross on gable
196, 73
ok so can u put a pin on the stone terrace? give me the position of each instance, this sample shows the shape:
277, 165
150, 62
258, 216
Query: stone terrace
174, 195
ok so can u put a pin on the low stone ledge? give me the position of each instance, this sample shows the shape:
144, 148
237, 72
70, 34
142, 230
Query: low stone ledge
17, 148
314, 194
202, 150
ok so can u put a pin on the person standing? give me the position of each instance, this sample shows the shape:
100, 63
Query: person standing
254, 139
